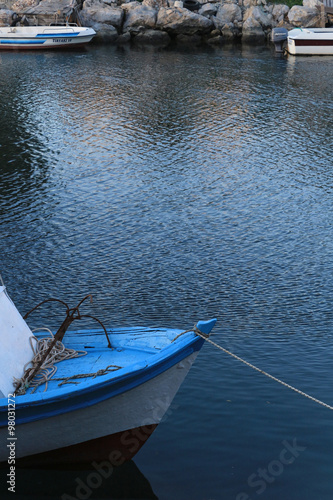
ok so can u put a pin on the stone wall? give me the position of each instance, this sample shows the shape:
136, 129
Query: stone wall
162, 21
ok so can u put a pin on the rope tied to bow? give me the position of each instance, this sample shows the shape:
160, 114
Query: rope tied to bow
308, 396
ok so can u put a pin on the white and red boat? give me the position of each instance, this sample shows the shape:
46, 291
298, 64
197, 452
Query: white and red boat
304, 41
310, 41
102, 403
44, 37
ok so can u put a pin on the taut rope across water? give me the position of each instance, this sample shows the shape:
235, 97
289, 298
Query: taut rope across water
202, 335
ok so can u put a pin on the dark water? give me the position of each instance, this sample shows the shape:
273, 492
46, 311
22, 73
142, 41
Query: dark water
175, 186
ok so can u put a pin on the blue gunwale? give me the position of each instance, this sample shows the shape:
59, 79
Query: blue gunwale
39, 406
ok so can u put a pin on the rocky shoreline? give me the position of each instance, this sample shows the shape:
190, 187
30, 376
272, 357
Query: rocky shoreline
160, 22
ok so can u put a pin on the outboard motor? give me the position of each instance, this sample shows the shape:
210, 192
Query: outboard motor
18, 20
279, 37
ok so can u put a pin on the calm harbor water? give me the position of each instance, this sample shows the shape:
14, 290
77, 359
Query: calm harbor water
173, 186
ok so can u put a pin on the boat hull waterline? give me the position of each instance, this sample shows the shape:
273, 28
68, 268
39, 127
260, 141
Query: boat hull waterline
44, 37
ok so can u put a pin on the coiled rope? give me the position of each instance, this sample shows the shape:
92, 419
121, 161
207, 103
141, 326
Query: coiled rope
204, 336
58, 353
47, 370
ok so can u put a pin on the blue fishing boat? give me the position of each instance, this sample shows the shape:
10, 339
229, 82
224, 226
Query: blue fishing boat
86, 395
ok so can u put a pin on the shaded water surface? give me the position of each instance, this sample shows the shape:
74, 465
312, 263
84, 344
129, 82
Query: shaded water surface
175, 186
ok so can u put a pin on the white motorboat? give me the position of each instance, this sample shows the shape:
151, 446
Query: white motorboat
310, 41
304, 41
44, 37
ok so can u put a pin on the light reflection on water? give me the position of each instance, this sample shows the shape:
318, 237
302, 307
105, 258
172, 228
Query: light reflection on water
178, 185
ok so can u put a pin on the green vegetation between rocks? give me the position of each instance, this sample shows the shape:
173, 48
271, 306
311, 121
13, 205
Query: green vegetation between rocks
290, 3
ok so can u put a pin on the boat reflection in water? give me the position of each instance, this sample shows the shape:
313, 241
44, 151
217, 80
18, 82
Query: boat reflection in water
99, 481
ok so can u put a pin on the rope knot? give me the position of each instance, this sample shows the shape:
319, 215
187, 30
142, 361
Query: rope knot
200, 333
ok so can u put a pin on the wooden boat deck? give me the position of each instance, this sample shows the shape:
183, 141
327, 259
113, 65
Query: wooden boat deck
131, 349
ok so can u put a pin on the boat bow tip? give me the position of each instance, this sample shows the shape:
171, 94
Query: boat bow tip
206, 326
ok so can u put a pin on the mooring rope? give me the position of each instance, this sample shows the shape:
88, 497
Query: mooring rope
204, 336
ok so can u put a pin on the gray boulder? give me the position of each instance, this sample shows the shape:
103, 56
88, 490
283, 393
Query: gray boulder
191, 40
97, 12
5, 17
312, 3
279, 12
105, 33
215, 38
47, 11
256, 13
178, 21
21, 5
140, 18
305, 17
153, 37
226, 14
252, 30
249, 3
127, 6
208, 10
156, 4
6, 5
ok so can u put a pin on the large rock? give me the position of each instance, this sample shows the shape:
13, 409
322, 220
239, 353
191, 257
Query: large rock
140, 18
156, 4
256, 13
208, 10
153, 37
47, 11
279, 12
190, 40
226, 14
252, 3
252, 30
305, 17
22, 5
95, 11
5, 17
249, 3
312, 3
214, 38
6, 4
178, 21
105, 33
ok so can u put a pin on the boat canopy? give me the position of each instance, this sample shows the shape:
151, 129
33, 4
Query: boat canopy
15, 351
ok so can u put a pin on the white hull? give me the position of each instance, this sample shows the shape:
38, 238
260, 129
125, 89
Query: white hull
138, 407
310, 41
44, 37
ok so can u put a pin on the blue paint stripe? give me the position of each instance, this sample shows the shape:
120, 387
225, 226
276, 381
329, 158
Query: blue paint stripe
57, 35
22, 42
96, 393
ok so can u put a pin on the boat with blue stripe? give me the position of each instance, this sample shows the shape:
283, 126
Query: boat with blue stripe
82, 395
44, 37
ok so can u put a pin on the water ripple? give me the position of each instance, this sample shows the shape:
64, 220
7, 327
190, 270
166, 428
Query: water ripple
176, 185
